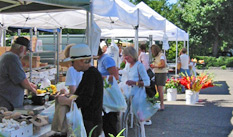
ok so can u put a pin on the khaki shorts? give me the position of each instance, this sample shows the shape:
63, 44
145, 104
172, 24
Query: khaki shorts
160, 79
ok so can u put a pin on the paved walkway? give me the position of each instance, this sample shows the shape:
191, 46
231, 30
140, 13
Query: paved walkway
212, 117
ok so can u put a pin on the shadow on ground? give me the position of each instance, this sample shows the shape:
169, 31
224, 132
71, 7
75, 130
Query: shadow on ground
223, 89
193, 121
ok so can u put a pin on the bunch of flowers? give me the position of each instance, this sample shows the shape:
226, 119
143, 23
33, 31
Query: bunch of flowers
197, 83
172, 83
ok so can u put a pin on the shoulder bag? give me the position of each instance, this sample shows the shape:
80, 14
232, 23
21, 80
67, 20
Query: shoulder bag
150, 90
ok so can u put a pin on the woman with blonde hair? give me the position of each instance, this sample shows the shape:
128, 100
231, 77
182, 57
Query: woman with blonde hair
160, 70
137, 79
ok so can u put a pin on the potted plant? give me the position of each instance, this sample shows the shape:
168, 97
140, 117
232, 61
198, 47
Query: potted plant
172, 86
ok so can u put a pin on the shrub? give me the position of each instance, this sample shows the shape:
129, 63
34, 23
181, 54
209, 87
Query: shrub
223, 67
215, 62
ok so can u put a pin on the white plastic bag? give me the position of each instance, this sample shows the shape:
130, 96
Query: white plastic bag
49, 112
113, 99
143, 109
125, 89
45, 83
75, 122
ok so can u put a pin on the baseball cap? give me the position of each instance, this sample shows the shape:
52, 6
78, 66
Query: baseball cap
23, 41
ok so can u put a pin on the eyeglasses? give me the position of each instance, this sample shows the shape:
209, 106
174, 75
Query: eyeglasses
87, 61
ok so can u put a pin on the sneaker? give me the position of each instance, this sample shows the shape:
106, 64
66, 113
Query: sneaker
148, 122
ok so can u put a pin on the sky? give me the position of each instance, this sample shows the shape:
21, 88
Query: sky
172, 1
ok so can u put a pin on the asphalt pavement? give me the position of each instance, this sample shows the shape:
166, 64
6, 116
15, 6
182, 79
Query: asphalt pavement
210, 117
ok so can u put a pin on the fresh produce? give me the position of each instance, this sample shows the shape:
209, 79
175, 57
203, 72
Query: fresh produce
39, 91
51, 89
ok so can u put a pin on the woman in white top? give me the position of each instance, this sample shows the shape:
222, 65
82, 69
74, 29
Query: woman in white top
184, 60
73, 77
160, 70
135, 68
137, 75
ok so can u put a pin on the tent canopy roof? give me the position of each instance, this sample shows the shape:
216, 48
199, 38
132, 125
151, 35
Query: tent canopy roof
15, 6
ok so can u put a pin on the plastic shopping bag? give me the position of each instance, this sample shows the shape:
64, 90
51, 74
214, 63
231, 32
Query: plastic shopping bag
143, 109
125, 89
113, 99
75, 122
49, 112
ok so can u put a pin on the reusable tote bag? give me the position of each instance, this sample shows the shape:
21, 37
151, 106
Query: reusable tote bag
75, 122
113, 99
142, 108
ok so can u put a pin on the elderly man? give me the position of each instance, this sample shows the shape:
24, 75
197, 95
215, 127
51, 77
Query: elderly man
89, 91
13, 80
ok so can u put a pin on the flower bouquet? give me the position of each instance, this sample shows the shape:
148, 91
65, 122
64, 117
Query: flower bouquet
172, 85
197, 83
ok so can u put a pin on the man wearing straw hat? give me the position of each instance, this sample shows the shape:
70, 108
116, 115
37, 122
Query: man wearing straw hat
89, 91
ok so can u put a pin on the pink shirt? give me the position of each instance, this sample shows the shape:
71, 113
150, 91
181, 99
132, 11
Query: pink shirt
144, 59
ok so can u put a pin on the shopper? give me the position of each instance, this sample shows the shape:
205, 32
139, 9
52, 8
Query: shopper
160, 70
89, 91
13, 79
107, 66
137, 79
143, 57
73, 77
184, 60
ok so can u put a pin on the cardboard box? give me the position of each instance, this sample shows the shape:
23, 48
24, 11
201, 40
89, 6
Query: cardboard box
43, 64
26, 131
4, 49
35, 62
62, 78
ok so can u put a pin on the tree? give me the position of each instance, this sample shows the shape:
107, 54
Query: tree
209, 23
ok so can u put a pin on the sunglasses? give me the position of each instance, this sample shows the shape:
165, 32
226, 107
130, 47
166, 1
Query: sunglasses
87, 61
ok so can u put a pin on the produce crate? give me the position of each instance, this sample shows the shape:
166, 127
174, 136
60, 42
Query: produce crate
26, 131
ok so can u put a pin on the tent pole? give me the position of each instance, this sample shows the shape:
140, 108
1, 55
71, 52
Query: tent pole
150, 44
136, 32
1, 35
188, 44
19, 32
30, 56
4, 37
55, 47
90, 32
60, 39
88, 29
176, 52
57, 52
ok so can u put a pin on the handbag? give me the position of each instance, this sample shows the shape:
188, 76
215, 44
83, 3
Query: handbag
150, 90
150, 73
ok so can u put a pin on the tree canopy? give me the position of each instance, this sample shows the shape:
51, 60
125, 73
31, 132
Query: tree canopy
208, 22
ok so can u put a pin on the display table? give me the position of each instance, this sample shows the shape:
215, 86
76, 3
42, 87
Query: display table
37, 109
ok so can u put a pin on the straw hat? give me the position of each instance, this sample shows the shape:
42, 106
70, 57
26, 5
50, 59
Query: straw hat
78, 52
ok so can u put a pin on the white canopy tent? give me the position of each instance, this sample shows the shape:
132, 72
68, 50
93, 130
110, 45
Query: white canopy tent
108, 14
30, 6
171, 32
